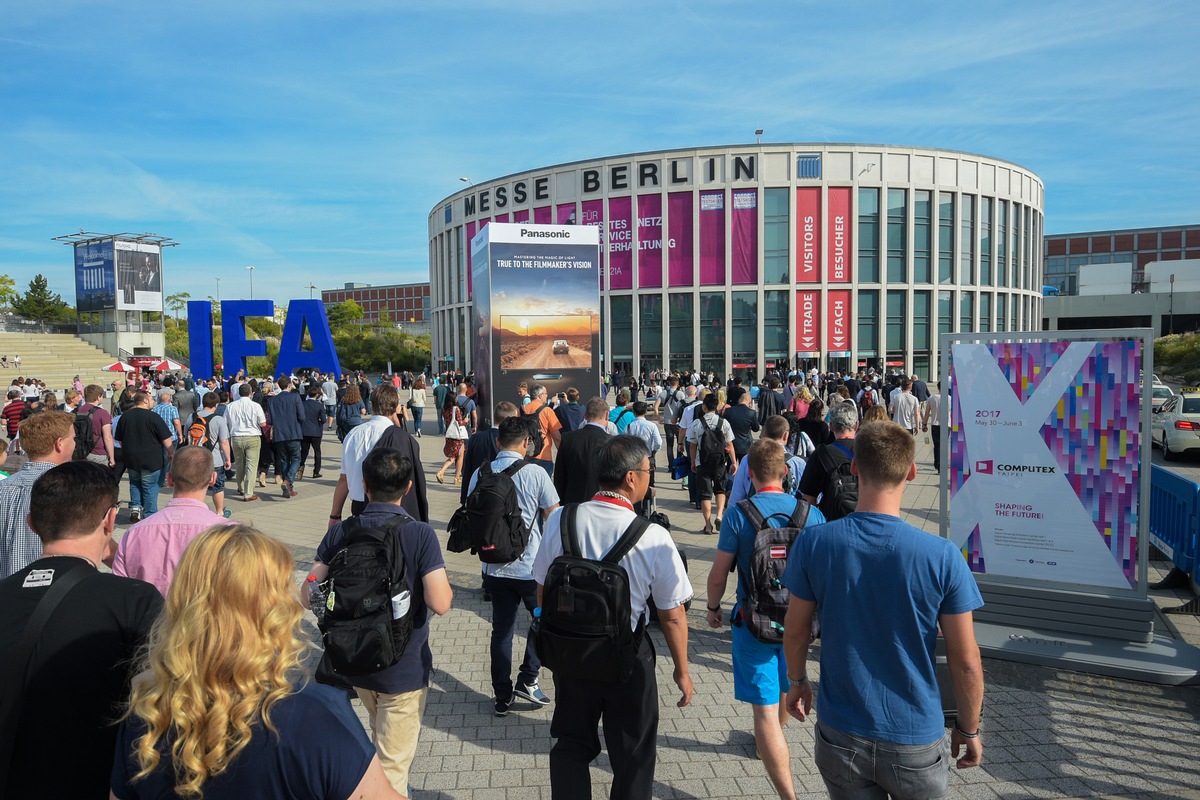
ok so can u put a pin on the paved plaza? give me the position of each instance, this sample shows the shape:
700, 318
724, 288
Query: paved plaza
1047, 732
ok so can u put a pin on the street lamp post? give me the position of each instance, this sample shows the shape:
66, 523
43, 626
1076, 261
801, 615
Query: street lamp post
251, 270
218, 290
1171, 307
310, 288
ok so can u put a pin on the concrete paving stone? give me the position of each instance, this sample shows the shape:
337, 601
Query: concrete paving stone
1074, 787
506, 777
1035, 770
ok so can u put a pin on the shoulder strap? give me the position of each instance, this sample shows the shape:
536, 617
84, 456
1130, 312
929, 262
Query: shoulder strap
13, 673
566, 525
628, 539
844, 449
799, 516
624, 411
752, 513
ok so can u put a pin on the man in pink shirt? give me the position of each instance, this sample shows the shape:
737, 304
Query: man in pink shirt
151, 549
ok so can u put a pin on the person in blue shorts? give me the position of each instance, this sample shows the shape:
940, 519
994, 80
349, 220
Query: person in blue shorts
759, 668
883, 589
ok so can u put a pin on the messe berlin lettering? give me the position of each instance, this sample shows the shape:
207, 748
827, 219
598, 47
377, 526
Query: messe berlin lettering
302, 315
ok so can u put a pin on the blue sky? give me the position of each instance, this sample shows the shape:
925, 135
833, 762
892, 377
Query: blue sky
312, 139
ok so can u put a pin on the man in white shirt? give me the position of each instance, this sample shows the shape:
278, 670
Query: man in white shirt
511, 585
385, 401
629, 708
708, 469
329, 391
245, 419
905, 408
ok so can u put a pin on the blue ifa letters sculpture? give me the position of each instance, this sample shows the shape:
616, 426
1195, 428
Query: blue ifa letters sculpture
302, 315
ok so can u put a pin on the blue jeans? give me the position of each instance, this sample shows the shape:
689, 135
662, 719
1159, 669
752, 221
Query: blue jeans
143, 490
855, 768
418, 414
507, 596
287, 459
441, 423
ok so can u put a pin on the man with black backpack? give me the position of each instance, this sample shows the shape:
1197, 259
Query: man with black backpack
710, 447
756, 536
93, 428
827, 475
394, 693
510, 483
595, 641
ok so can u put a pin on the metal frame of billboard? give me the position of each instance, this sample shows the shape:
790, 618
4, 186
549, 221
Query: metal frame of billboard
1092, 628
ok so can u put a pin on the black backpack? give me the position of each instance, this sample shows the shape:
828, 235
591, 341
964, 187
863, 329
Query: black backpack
711, 448
840, 495
767, 600
586, 607
369, 607
490, 524
85, 434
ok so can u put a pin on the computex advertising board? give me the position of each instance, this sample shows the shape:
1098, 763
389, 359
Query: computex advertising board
1045, 450
536, 313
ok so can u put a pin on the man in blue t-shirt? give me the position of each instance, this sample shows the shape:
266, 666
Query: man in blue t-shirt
759, 669
883, 588
395, 696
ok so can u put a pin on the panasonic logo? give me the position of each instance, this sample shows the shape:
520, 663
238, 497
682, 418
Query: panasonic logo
526, 233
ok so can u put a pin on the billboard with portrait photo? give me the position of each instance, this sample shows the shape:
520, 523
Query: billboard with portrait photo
139, 276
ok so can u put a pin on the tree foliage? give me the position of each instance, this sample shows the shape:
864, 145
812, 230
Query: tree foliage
8, 290
342, 316
1178, 355
41, 305
178, 302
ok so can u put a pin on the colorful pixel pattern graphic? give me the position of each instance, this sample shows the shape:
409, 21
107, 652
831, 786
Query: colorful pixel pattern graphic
1093, 433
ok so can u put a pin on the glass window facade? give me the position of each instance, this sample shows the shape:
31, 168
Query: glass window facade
897, 227
775, 325
868, 322
680, 313
945, 312
1000, 312
868, 236
945, 238
745, 323
712, 325
921, 318
650, 328
985, 241
966, 250
985, 312
621, 316
776, 227
896, 320
923, 236
966, 313
1002, 243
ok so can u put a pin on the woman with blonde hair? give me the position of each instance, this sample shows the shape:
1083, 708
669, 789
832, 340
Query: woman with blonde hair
224, 708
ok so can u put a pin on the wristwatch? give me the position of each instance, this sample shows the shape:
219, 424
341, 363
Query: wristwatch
798, 682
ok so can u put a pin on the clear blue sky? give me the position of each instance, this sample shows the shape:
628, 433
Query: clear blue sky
311, 138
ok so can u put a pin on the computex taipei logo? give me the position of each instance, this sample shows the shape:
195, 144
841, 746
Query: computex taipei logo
984, 467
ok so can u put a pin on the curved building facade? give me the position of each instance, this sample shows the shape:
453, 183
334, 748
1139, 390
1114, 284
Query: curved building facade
736, 259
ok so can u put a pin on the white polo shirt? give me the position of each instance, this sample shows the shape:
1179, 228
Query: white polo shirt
653, 565
357, 445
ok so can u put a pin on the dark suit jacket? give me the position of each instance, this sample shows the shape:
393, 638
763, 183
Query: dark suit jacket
482, 448
575, 467
416, 502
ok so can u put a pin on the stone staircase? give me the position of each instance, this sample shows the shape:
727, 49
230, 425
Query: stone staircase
55, 358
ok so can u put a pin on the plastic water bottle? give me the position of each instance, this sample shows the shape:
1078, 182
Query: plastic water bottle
535, 627
316, 598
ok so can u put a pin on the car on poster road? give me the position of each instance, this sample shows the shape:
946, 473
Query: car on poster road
561, 346
1175, 426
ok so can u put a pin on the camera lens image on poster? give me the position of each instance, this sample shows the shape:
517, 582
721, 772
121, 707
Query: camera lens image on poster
139, 276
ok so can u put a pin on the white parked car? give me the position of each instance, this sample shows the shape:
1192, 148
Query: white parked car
1176, 425
1159, 394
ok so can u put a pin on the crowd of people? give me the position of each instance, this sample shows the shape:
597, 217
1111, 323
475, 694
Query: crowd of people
799, 475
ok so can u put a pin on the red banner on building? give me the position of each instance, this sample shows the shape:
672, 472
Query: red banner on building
837, 330
808, 323
808, 235
840, 237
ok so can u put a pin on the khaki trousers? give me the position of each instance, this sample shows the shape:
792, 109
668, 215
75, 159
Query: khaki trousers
395, 725
245, 456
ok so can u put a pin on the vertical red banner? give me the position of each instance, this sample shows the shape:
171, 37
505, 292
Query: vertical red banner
502, 218
681, 265
591, 212
467, 251
837, 330
565, 214
745, 236
620, 243
840, 236
521, 216
649, 241
542, 215
808, 235
712, 238
808, 323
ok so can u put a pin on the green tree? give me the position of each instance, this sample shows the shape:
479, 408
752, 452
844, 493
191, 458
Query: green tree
342, 316
178, 302
8, 290
40, 305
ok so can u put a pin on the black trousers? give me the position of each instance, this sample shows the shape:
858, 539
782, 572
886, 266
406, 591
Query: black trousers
935, 434
311, 443
629, 711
